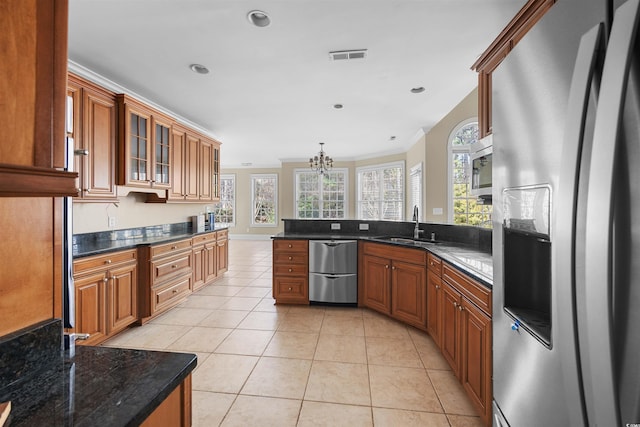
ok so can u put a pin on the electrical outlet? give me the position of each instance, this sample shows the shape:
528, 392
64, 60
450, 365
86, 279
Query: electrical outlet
112, 221
335, 226
363, 226
437, 211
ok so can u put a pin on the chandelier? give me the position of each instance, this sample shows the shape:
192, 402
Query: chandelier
321, 163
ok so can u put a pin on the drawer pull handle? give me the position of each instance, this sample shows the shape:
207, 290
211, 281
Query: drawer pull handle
175, 291
174, 266
174, 247
108, 261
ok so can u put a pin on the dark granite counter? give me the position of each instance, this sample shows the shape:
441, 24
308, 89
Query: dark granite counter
470, 259
109, 241
97, 386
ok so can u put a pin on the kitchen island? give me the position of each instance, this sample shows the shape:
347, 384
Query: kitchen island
95, 386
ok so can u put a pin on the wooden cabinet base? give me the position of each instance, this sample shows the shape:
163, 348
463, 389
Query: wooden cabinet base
175, 410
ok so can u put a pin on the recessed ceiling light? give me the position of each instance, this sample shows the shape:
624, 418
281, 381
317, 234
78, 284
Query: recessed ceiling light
417, 90
337, 106
392, 138
200, 69
258, 18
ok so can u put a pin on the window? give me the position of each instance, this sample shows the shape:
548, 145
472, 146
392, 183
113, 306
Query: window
321, 196
381, 192
464, 208
225, 209
415, 188
264, 199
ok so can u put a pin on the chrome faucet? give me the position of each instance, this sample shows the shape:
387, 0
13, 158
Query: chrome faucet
416, 230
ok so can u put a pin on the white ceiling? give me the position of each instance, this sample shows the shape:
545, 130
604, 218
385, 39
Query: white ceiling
269, 96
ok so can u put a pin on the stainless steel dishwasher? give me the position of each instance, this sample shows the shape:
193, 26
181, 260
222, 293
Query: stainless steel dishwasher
333, 271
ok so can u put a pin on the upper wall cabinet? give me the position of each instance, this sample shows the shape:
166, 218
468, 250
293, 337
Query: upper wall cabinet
144, 145
530, 13
33, 75
94, 133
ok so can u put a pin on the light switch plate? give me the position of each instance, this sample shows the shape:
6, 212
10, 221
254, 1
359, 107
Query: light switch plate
335, 226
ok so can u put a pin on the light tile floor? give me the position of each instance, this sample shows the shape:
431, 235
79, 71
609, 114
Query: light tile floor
265, 365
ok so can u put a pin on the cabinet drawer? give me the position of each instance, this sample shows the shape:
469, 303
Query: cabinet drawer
290, 245
415, 256
475, 292
204, 238
169, 248
291, 289
291, 269
222, 234
434, 264
83, 265
171, 293
167, 267
291, 258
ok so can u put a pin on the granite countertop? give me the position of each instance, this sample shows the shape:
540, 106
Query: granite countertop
467, 258
104, 242
97, 386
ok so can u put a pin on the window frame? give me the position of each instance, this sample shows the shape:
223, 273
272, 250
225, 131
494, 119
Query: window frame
381, 167
232, 177
416, 169
252, 180
299, 171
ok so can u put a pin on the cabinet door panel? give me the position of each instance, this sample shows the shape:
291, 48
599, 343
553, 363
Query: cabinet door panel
451, 327
211, 262
192, 168
434, 297
377, 279
409, 293
199, 267
178, 150
90, 307
99, 138
205, 173
122, 297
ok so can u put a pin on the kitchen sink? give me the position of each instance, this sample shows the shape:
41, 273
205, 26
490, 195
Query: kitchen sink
410, 241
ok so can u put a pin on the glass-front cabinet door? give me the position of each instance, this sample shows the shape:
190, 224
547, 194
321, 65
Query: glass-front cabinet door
161, 137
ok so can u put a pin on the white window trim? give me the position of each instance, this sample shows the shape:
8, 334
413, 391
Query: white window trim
360, 169
232, 176
251, 189
450, 151
414, 170
345, 171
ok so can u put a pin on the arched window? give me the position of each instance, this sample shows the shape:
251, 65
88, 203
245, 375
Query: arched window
464, 208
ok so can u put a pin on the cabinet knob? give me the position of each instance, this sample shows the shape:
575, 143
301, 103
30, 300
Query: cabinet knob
290, 270
393, 268
455, 304
105, 280
175, 291
386, 266
290, 258
108, 261
174, 266
174, 247
460, 307
437, 287
290, 289
290, 245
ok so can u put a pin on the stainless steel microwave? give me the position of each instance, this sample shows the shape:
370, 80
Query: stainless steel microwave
480, 165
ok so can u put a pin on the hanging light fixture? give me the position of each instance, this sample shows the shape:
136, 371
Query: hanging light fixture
321, 163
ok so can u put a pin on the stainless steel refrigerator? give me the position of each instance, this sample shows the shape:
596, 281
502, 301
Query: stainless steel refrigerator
566, 199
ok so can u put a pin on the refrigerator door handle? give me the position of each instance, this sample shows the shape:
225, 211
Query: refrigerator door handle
604, 403
570, 210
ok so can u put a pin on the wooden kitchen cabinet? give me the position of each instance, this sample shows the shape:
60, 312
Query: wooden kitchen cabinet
466, 335
204, 259
166, 276
94, 134
394, 282
222, 251
175, 410
106, 292
291, 271
434, 297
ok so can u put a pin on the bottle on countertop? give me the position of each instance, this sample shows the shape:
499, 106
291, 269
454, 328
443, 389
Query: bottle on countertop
212, 221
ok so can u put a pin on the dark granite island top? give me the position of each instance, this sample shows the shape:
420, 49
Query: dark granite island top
97, 386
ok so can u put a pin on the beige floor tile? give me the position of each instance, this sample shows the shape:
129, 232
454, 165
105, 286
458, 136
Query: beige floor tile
464, 421
402, 388
320, 414
200, 339
276, 377
383, 417
429, 352
269, 304
341, 348
244, 273
261, 320
240, 303
296, 345
383, 327
245, 341
338, 311
249, 411
237, 281
224, 373
202, 356
342, 325
182, 316
392, 352
219, 289
337, 382
209, 408
149, 336
204, 301
265, 280
296, 321
224, 318
451, 393
256, 292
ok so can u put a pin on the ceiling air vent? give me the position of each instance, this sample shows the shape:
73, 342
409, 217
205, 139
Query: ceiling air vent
339, 55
